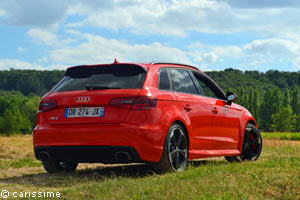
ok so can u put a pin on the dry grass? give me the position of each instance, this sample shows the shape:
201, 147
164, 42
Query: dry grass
275, 175
16, 146
281, 143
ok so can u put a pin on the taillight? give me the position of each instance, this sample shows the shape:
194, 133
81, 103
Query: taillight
143, 103
47, 105
134, 103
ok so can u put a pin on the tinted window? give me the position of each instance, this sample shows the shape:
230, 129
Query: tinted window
182, 82
164, 83
207, 87
105, 77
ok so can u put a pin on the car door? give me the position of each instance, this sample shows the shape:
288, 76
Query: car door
195, 107
226, 117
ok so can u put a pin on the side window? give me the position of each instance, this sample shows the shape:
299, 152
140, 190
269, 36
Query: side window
207, 91
164, 83
182, 81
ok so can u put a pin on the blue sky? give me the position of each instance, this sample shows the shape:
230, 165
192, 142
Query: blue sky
210, 34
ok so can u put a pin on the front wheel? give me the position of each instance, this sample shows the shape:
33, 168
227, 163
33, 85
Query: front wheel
252, 145
175, 151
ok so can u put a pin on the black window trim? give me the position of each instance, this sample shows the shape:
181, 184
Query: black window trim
211, 82
200, 91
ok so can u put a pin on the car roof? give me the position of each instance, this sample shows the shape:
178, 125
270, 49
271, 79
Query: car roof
173, 64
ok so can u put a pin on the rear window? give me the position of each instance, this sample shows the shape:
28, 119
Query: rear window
103, 77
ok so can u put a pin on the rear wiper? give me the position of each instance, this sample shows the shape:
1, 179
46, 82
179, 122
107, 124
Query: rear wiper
99, 87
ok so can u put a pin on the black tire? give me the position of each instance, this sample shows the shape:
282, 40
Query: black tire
230, 158
53, 166
69, 166
252, 145
175, 151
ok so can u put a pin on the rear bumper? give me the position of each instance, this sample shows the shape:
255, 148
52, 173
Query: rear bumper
90, 154
99, 142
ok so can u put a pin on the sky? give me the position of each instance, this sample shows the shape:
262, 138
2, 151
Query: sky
209, 34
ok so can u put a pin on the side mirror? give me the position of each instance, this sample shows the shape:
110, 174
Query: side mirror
230, 97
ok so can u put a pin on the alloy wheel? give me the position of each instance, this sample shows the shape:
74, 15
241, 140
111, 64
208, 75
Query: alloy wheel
177, 149
252, 145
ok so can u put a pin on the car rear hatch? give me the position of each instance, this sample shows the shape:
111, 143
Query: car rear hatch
93, 94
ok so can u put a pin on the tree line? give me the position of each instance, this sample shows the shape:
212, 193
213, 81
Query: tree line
272, 97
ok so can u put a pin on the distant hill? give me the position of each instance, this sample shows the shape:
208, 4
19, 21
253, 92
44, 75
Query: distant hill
29, 81
39, 82
272, 97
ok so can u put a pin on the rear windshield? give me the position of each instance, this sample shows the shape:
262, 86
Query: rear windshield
103, 77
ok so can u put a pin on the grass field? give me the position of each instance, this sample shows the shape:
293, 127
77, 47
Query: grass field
276, 175
281, 136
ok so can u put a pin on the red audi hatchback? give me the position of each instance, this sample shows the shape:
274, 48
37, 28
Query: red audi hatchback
159, 113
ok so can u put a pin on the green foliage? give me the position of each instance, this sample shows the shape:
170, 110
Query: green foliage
283, 120
29, 81
17, 112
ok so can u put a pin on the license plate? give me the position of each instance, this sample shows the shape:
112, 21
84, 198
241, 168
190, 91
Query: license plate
84, 112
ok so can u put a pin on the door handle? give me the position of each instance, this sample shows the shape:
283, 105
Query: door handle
215, 110
187, 107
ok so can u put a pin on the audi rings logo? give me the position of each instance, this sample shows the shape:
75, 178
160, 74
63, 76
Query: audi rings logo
82, 99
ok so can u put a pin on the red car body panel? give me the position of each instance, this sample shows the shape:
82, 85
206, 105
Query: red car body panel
214, 127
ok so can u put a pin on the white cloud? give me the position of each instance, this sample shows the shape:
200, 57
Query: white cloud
47, 37
57, 67
34, 12
21, 49
272, 47
179, 17
43, 59
6, 64
264, 3
205, 59
43, 36
2, 12
98, 49
168, 17
273, 19
256, 54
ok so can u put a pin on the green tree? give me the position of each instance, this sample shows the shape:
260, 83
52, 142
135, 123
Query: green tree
284, 120
30, 108
295, 103
272, 102
8, 123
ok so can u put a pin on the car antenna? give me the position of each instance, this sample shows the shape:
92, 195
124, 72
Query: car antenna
116, 62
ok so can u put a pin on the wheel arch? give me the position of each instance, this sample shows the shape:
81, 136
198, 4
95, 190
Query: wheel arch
251, 121
248, 120
185, 127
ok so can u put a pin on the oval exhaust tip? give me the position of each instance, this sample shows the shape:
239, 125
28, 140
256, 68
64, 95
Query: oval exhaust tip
122, 156
43, 155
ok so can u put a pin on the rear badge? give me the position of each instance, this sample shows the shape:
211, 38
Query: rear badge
82, 99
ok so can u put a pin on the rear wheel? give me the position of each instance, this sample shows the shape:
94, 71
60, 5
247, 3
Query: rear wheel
69, 166
174, 157
53, 166
252, 145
